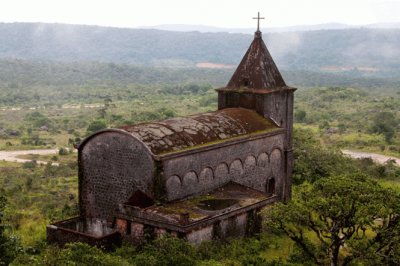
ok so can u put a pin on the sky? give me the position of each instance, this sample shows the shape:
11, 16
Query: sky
220, 13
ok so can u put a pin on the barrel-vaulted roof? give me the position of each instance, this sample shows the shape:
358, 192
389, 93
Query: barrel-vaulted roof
177, 134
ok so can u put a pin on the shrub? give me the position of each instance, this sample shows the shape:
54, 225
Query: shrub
63, 151
167, 251
29, 165
9, 245
83, 254
96, 126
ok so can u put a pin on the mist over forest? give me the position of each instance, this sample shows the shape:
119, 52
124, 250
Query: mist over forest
364, 50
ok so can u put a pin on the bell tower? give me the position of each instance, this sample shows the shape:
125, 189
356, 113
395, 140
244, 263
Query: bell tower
257, 84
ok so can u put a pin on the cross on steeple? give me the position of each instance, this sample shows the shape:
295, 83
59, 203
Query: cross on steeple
258, 21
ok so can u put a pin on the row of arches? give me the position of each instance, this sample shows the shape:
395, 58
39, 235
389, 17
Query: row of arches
252, 172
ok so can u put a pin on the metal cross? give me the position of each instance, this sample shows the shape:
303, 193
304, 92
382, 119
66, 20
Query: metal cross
258, 21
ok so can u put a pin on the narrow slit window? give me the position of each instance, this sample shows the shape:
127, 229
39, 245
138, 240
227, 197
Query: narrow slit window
271, 186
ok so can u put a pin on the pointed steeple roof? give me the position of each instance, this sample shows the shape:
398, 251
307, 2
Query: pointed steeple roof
257, 70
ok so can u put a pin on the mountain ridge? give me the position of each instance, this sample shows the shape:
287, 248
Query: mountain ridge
311, 27
365, 50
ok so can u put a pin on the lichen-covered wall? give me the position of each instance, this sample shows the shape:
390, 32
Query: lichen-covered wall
112, 166
274, 106
251, 163
277, 105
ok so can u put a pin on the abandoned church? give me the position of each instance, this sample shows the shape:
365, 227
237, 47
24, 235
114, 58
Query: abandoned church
198, 177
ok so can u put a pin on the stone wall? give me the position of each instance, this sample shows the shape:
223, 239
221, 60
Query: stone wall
112, 166
251, 163
279, 107
276, 105
72, 230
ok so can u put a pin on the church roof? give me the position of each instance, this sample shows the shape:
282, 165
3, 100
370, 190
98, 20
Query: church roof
257, 70
181, 133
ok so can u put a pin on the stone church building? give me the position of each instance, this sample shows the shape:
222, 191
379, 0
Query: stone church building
198, 177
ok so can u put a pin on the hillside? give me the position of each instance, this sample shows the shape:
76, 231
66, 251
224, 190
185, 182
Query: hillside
323, 26
17, 73
365, 50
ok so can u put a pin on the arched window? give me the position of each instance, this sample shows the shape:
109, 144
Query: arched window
270, 186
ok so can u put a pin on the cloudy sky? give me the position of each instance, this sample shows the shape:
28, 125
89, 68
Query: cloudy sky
221, 13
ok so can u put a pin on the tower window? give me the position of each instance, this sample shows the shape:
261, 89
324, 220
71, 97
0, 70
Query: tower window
246, 82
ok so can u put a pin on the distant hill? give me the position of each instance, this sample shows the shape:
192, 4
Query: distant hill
363, 50
325, 26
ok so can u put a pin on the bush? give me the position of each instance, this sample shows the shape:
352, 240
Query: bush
167, 251
83, 254
384, 123
208, 100
96, 126
300, 116
29, 165
63, 151
9, 245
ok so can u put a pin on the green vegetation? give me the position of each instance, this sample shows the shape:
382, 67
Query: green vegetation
8, 245
58, 112
361, 51
335, 221
360, 119
41, 194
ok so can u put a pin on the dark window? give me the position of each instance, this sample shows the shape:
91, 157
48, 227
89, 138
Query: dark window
246, 82
128, 227
271, 186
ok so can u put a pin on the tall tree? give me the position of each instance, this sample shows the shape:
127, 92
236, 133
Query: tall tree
329, 221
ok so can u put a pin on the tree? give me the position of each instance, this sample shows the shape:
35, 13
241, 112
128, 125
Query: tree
384, 123
300, 116
328, 221
96, 126
313, 161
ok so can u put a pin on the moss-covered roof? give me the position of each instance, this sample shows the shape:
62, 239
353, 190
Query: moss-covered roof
181, 133
203, 207
257, 70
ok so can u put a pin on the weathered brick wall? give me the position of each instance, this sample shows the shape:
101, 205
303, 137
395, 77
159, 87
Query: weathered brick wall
249, 163
113, 166
279, 107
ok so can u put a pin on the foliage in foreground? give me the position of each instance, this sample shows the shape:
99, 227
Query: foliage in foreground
340, 220
164, 251
9, 246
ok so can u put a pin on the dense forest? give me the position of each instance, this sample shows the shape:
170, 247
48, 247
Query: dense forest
49, 83
362, 49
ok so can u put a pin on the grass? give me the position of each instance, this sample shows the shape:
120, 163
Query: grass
56, 158
390, 183
35, 200
280, 248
